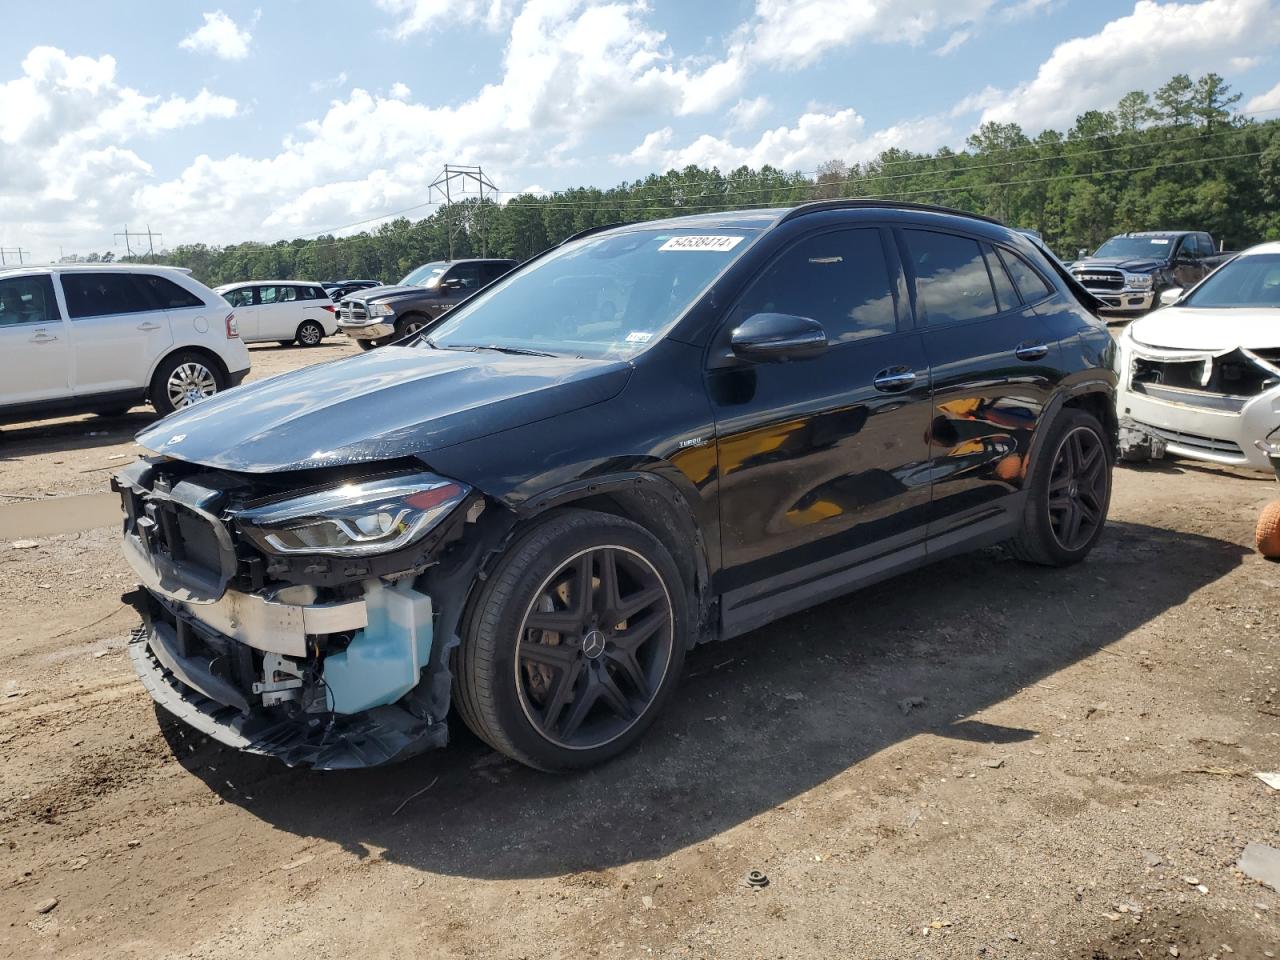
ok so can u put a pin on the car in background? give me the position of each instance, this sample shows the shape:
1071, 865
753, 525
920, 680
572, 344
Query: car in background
101, 338
1201, 378
288, 311
382, 314
1129, 272
648, 437
337, 289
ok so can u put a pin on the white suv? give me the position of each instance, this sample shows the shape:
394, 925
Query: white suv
289, 311
103, 337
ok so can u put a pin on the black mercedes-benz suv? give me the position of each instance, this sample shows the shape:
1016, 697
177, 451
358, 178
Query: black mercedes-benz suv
647, 437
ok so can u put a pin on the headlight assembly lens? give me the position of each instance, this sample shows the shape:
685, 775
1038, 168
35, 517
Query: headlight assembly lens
356, 519
1137, 281
380, 310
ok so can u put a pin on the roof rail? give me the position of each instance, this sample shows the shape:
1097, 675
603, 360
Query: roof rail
817, 206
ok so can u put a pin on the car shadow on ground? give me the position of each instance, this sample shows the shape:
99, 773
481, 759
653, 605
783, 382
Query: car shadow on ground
756, 722
69, 434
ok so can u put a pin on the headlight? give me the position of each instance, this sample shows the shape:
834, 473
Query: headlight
1137, 281
356, 519
380, 310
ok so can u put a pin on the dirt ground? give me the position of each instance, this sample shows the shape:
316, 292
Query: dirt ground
1075, 779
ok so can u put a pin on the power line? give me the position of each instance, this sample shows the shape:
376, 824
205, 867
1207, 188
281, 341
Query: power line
151, 237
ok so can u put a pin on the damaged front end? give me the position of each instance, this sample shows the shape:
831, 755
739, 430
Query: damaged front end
1205, 405
299, 624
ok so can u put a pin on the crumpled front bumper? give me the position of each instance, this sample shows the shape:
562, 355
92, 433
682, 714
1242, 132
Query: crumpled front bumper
1210, 427
185, 686
367, 331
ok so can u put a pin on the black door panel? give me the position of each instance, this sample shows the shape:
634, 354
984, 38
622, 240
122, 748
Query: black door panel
821, 457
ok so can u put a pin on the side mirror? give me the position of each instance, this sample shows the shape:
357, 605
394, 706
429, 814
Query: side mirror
775, 337
453, 283
1082, 254
1171, 296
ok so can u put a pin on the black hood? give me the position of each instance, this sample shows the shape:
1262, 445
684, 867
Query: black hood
389, 292
1130, 264
389, 403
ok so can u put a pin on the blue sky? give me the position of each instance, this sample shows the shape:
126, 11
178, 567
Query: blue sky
267, 120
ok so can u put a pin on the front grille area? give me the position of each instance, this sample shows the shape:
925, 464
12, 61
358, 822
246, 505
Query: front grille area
1100, 279
1195, 442
352, 311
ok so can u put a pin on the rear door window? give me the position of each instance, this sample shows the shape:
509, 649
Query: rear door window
168, 294
1030, 284
952, 283
27, 300
839, 278
467, 273
268, 295
286, 294
105, 294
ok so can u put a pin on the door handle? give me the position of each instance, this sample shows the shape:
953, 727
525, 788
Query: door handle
894, 379
148, 326
42, 337
1031, 351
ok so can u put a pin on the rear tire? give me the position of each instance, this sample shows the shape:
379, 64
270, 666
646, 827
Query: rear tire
183, 379
1070, 493
1266, 535
310, 334
575, 642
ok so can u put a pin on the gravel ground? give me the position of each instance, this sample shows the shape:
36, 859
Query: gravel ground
1081, 749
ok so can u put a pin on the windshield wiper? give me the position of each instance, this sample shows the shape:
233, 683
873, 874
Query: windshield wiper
520, 351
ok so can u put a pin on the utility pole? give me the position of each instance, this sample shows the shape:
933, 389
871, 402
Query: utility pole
6, 252
454, 179
151, 238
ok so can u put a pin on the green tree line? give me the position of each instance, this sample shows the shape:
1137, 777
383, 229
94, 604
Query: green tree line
1178, 158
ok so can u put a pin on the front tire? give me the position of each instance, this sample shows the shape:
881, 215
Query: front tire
574, 643
184, 379
1070, 493
410, 324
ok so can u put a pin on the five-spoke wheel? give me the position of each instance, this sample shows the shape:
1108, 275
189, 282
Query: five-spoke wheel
574, 642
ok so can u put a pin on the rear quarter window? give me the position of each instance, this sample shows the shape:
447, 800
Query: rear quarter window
167, 294
1030, 284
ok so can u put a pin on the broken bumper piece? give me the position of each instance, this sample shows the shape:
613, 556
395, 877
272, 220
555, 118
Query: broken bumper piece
181, 679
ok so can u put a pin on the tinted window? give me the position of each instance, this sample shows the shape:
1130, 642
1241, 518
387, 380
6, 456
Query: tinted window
839, 279
240, 298
1030, 284
286, 294
1205, 245
467, 273
27, 300
268, 295
952, 284
316, 293
104, 294
1006, 295
167, 294
490, 272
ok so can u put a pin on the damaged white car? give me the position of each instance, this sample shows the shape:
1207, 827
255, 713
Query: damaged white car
1201, 378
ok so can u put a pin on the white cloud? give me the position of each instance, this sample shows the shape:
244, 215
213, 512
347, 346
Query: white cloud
317, 86
220, 36
418, 16
795, 33
1264, 101
813, 139
747, 113
66, 128
1137, 51
954, 42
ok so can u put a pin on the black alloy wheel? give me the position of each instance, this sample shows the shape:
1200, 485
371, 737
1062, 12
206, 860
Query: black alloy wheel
410, 325
594, 647
1069, 492
574, 642
1078, 488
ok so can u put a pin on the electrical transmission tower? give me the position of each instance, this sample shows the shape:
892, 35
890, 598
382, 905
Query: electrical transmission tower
452, 184
8, 252
151, 247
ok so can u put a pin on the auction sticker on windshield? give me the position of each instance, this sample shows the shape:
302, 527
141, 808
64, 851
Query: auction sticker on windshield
712, 243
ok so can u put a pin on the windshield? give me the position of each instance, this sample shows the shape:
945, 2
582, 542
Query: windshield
1252, 281
425, 276
1157, 248
605, 296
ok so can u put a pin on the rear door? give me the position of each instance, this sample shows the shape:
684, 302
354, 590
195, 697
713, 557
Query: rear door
35, 345
820, 461
278, 312
994, 363
118, 330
